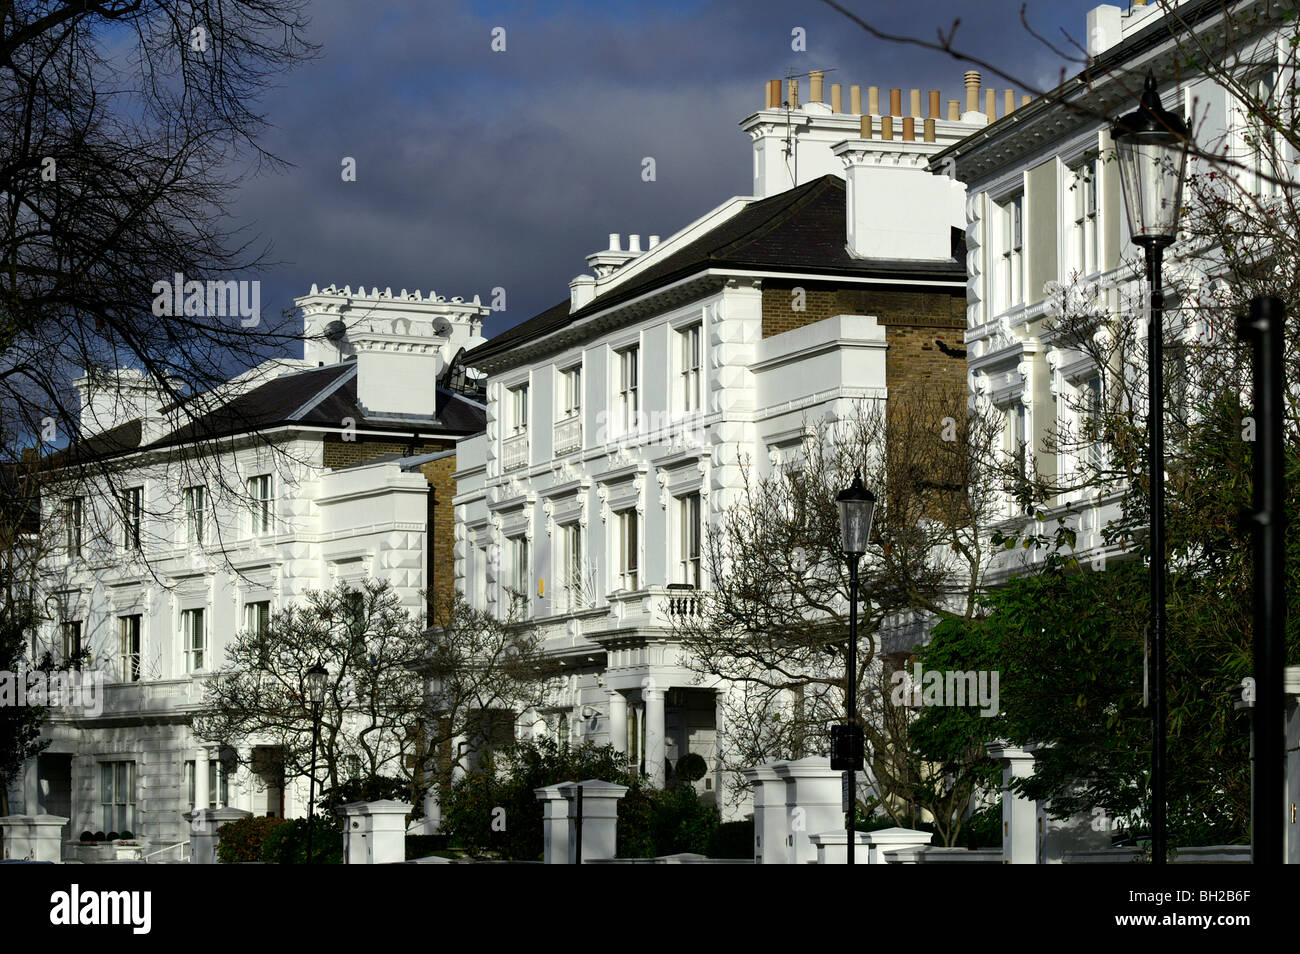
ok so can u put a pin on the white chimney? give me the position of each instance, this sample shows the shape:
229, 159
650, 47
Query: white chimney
654, 240
1105, 28
401, 344
895, 207
110, 397
582, 290
634, 244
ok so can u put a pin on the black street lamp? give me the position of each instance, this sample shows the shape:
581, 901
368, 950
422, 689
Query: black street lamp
317, 676
1152, 146
857, 508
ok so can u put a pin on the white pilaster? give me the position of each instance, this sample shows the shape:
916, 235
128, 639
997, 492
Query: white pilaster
618, 721
654, 736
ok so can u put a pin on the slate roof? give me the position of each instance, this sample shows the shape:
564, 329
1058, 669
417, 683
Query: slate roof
320, 397
800, 230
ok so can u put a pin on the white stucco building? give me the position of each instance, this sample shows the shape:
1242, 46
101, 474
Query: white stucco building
619, 421
1045, 206
303, 473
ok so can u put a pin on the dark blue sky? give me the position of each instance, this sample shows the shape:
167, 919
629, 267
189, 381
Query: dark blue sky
478, 169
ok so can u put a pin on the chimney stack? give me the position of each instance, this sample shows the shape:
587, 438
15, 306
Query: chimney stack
936, 104
815, 84
873, 100
896, 102
909, 129
1008, 102
915, 103
836, 101
855, 99
991, 104
954, 110
773, 94
972, 91
792, 95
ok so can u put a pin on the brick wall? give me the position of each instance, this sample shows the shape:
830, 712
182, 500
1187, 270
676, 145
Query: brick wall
919, 326
439, 475
341, 453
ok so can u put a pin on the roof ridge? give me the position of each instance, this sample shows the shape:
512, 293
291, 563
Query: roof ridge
324, 392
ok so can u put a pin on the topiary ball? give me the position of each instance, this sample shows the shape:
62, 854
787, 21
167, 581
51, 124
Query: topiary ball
87, 836
112, 836
692, 767
126, 836
100, 836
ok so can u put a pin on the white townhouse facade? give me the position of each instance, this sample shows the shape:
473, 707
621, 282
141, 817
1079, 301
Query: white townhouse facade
621, 421
1044, 205
299, 475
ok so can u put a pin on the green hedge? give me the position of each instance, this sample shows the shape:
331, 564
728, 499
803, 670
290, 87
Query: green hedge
286, 844
243, 840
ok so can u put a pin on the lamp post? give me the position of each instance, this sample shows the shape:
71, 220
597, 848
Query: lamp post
317, 676
857, 507
1151, 143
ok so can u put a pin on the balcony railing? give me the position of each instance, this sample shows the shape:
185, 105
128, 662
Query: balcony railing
684, 600
514, 452
568, 435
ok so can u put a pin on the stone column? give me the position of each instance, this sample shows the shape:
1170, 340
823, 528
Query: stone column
555, 825
1019, 814
32, 786
771, 821
618, 721
654, 736
374, 833
813, 803
200, 779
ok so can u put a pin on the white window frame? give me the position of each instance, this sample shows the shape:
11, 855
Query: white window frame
1264, 81
689, 539
261, 517
519, 591
1010, 265
132, 517
518, 416
629, 387
74, 522
71, 634
130, 629
257, 616
628, 533
690, 354
1016, 434
1085, 215
570, 565
194, 639
570, 392
195, 515
117, 795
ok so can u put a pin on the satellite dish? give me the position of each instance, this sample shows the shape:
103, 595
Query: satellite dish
335, 330
441, 326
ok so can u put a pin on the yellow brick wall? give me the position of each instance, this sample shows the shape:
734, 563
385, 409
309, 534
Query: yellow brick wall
341, 453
